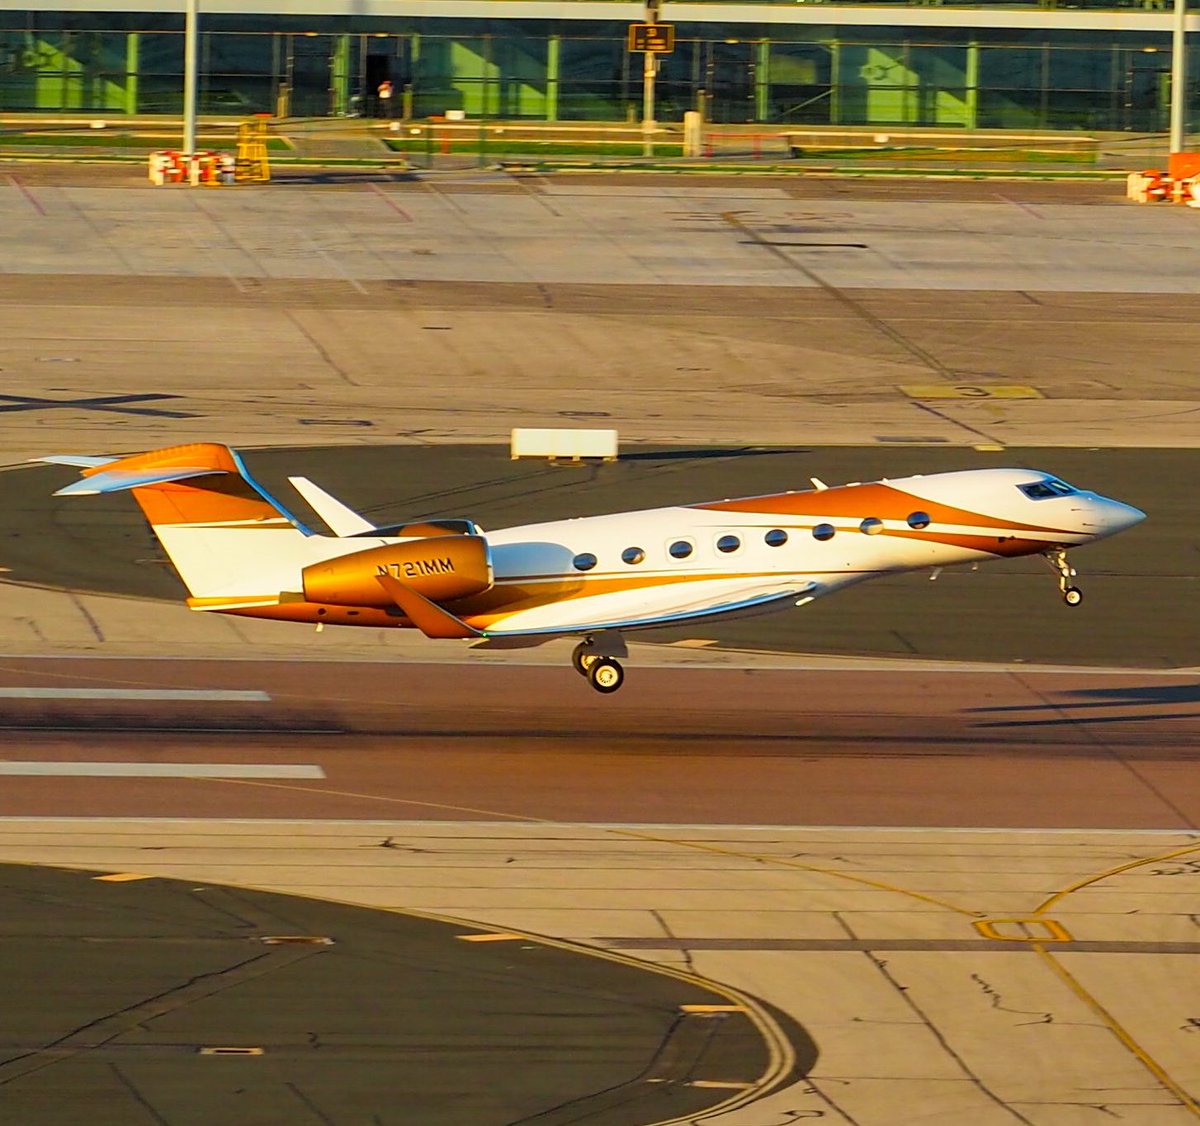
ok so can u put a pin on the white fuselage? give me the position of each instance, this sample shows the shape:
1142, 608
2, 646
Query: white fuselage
632, 565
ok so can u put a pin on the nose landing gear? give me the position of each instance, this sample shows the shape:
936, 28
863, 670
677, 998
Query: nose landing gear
595, 659
1057, 558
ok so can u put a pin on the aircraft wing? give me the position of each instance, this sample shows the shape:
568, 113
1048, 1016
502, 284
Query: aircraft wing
654, 606
661, 605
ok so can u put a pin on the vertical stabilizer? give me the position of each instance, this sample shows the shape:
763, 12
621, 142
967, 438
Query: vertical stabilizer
226, 536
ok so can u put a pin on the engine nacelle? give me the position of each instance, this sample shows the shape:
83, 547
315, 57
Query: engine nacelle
442, 568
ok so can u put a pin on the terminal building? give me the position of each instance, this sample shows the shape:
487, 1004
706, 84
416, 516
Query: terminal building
1095, 65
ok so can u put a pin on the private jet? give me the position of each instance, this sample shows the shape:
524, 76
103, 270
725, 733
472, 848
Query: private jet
241, 551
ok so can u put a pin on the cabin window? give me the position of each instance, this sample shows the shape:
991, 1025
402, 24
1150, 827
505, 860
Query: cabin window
918, 520
585, 561
632, 555
776, 537
871, 526
728, 544
823, 532
680, 549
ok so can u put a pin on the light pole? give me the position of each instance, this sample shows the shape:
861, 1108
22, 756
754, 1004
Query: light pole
649, 72
189, 78
1179, 77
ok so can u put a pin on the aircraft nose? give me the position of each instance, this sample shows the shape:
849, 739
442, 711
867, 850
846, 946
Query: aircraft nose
1107, 517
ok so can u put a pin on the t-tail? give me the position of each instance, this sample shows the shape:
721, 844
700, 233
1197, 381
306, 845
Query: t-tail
228, 538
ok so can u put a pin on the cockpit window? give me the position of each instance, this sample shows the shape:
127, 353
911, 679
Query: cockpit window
1047, 488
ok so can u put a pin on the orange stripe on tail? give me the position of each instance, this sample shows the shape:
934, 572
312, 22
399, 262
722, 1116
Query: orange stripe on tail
226, 497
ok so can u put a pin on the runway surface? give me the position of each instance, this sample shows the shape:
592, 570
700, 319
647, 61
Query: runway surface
690, 746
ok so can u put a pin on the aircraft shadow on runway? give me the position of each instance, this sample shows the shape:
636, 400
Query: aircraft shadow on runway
1158, 699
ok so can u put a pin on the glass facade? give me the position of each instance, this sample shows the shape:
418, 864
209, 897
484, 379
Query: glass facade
778, 74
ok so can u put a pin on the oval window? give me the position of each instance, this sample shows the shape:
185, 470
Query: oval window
633, 555
680, 549
728, 544
584, 562
918, 520
823, 532
871, 526
776, 537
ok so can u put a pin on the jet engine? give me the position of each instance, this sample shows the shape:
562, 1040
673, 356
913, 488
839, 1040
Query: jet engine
442, 568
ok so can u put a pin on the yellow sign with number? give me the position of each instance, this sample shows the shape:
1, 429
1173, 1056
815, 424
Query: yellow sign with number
657, 38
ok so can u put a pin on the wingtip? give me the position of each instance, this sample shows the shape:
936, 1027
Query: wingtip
78, 489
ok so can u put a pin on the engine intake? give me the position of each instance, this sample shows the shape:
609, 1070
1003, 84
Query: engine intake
442, 568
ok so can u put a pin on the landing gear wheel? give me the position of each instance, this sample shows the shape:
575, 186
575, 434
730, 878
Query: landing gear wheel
605, 675
582, 658
1057, 558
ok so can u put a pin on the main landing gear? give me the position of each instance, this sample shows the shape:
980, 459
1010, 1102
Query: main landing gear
595, 658
1057, 558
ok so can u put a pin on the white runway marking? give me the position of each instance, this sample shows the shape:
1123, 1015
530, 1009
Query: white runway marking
161, 770
208, 695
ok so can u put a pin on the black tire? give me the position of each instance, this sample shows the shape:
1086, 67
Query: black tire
582, 658
605, 675
1072, 596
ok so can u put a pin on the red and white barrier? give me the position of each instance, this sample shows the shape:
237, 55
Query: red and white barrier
169, 166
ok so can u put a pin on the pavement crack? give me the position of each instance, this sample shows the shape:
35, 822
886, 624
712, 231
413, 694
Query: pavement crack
103, 1030
137, 1095
997, 1001
390, 842
905, 994
666, 929
928, 359
317, 1112
34, 628
321, 350
87, 617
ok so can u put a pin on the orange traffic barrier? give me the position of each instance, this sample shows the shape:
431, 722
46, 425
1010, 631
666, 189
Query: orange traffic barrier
1157, 185
167, 166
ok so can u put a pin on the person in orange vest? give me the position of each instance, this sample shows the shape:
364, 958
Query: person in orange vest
385, 98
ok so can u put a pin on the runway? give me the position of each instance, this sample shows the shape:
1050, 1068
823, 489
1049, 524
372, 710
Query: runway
934, 747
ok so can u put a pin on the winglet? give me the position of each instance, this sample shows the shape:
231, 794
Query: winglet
342, 520
428, 617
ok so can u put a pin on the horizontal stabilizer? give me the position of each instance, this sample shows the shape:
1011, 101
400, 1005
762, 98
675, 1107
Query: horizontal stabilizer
80, 461
342, 520
114, 480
